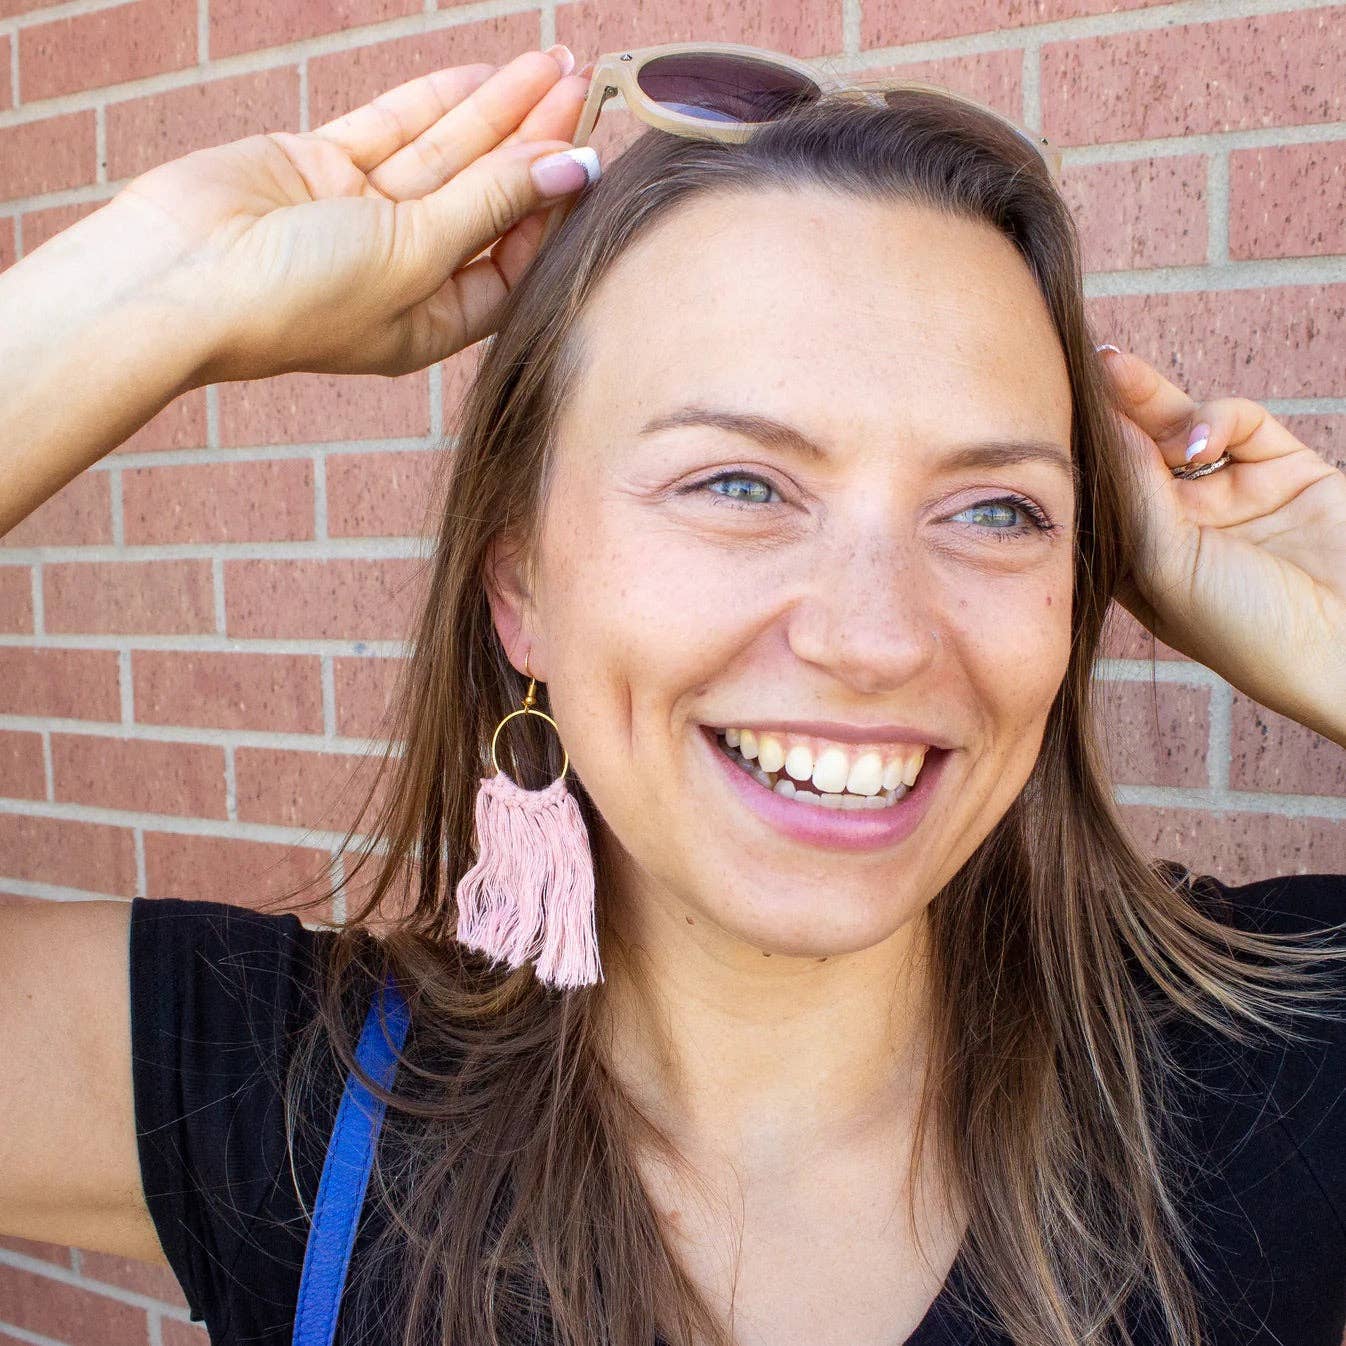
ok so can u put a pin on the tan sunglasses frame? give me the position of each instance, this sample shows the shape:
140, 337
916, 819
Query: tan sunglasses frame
618, 72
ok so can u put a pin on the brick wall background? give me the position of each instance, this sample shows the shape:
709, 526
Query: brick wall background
196, 636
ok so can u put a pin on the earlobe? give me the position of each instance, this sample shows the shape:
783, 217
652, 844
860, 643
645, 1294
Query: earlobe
510, 598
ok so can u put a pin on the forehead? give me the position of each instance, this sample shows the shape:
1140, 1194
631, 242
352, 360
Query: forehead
823, 305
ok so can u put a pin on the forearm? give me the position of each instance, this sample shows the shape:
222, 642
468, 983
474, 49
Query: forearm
97, 334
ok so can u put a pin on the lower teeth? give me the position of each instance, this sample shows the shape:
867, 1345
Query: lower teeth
787, 787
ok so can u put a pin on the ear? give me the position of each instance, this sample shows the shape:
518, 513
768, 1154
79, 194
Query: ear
509, 591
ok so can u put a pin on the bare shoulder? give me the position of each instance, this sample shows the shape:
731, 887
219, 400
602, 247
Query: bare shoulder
69, 1171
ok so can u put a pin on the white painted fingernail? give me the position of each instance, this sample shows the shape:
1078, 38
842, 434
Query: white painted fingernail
565, 171
1107, 346
1198, 440
587, 157
563, 57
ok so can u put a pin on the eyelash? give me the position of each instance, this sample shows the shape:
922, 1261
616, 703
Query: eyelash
1038, 520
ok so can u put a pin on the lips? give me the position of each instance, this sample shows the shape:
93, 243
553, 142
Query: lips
813, 825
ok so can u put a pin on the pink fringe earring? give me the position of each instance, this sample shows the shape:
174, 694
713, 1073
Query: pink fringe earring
530, 894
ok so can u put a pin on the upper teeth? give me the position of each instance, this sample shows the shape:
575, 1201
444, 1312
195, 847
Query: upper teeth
832, 767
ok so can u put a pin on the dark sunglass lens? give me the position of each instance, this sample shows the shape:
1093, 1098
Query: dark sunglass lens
723, 87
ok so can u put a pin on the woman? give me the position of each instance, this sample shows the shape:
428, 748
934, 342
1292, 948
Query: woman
794, 449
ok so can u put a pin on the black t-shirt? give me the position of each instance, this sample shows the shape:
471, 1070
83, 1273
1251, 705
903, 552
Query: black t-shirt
219, 993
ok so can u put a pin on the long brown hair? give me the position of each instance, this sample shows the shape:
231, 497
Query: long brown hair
506, 1173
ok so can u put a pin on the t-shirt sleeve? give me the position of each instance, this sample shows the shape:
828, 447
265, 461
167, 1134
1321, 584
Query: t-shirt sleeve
1305, 1082
218, 996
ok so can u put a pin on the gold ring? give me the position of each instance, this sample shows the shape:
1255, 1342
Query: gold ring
528, 710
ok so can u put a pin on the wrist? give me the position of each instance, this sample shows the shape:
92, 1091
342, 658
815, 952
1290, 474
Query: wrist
114, 287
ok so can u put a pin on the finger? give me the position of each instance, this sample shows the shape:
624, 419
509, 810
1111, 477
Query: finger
441, 232
557, 115
472, 128
1159, 407
515, 251
483, 204
1246, 429
372, 133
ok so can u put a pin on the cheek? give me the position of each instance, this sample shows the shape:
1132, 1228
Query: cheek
1014, 646
636, 622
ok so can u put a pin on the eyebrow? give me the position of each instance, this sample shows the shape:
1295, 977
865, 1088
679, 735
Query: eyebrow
776, 434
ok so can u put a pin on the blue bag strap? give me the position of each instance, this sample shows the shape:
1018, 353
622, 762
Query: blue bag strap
345, 1173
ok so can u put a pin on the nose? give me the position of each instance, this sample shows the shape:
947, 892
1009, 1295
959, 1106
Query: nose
868, 614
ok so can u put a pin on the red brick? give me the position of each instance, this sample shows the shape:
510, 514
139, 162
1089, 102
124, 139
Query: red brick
109, 46
991, 77
802, 27
47, 1252
144, 1278
9, 246
69, 684
6, 92
144, 132
1325, 433
41, 225
78, 515
46, 156
143, 775
249, 25
226, 869
343, 80
68, 1312
210, 689
22, 775
180, 425
90, 856
1268, 189
1280, 341
321, 790
1154, 733
458, 371
1272, 754
335, 599
1141, 213
1125, 638
308, 408
16, 599
383, 494
1234, 74
890, 23
129, 597
265, 501
363, 689
1239, 847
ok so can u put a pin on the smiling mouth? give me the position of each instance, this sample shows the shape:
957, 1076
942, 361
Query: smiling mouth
805, 792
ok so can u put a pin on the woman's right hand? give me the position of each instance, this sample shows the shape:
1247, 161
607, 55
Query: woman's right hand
350, 249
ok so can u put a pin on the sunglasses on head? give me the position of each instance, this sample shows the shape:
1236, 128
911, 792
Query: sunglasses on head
724, 91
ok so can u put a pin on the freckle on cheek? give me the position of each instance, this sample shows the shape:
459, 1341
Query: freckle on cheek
1049, 600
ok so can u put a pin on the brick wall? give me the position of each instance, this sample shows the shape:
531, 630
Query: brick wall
196, 636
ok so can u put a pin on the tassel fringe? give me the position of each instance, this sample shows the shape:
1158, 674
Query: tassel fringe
530, 894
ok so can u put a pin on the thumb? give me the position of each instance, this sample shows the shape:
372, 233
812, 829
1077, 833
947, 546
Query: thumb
481, 203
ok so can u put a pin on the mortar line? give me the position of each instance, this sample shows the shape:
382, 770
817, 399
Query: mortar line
126, 688
138, 848
1217, 208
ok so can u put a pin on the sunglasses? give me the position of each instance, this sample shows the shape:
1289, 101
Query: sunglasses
724, 91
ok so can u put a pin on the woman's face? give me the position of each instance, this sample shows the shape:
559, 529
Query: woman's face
854, 586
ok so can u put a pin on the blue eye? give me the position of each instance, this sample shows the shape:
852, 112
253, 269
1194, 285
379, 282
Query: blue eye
1010, 505
734, 494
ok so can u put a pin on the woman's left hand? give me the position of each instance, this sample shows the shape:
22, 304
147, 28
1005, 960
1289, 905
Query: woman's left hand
1243, 570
